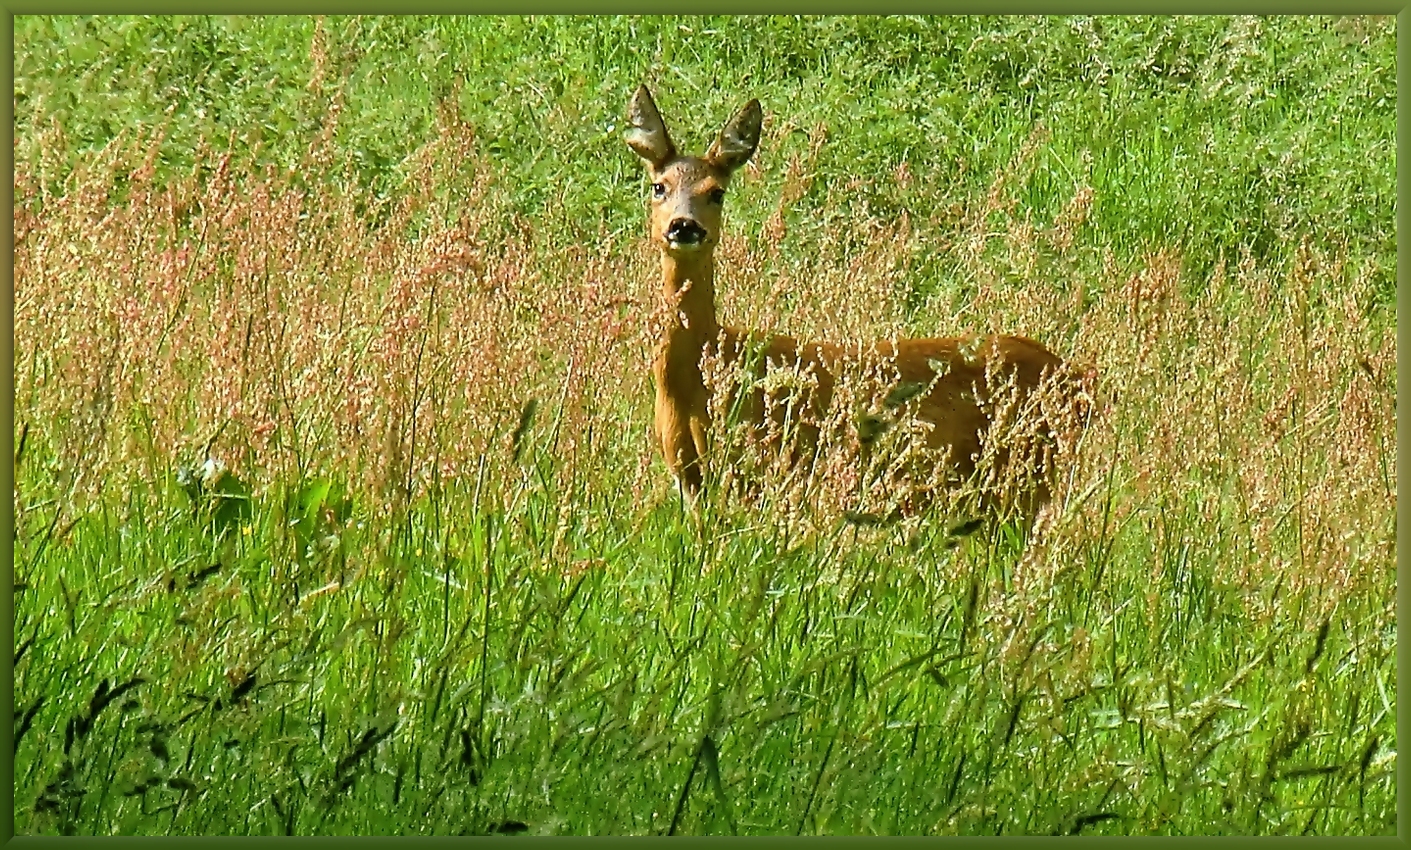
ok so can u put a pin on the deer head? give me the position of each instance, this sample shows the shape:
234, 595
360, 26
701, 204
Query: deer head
688, 192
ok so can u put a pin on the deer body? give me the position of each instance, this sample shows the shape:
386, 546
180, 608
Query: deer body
687, 201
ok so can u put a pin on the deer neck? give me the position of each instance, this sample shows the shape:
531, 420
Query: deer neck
688, 291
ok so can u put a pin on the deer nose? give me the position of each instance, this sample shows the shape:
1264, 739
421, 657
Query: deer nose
685, 231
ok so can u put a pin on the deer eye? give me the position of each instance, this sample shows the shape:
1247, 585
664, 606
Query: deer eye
658, 190
717, 196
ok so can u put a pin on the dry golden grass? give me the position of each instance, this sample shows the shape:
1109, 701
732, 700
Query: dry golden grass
289, 323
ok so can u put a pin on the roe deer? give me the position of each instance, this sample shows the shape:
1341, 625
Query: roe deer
943, 381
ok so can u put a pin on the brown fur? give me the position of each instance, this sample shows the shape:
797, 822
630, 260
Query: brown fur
686, 207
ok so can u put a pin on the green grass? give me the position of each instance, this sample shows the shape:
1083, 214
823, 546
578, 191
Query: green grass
364, 244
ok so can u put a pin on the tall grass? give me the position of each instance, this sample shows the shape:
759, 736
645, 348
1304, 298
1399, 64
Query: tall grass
336, 506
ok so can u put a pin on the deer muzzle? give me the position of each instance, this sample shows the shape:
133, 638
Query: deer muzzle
685, 233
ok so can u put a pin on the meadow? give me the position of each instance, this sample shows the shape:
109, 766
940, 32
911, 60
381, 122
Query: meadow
337, 511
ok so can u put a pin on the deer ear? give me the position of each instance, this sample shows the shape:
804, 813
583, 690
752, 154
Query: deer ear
647, 135
738, 140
